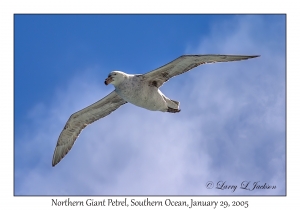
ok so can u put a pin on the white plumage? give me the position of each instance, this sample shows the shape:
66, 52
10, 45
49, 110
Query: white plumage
139, 89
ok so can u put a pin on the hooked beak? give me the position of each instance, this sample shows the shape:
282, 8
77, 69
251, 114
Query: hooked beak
108, 80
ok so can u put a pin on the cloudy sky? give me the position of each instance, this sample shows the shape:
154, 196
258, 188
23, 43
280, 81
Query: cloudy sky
231, 127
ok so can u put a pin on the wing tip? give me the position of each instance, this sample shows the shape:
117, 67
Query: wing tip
54, 160
249, 56
254, 56
56, 157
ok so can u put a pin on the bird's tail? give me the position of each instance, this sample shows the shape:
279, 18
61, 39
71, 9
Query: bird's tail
173, 106
175, 102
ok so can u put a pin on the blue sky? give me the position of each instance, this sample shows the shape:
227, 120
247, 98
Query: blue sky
231, 127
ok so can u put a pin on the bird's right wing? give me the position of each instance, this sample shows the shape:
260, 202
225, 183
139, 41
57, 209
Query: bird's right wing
185, 63
79, 120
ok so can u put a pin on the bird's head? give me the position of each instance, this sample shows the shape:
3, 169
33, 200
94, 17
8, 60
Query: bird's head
114, 78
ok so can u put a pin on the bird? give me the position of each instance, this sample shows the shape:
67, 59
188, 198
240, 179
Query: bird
139, 89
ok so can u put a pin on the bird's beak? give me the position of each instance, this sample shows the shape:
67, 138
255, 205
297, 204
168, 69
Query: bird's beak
108, 80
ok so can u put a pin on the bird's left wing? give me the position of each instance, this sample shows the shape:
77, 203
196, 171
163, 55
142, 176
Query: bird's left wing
185, 63
79, 120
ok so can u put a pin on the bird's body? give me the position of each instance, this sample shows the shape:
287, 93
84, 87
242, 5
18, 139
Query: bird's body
132, 89
140, 89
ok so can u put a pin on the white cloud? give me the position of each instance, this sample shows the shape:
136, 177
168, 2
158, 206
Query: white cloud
231, 128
